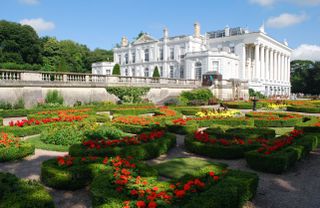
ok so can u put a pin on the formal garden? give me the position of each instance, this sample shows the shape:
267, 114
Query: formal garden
193, 151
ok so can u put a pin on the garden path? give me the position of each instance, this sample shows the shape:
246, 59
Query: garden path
30, 168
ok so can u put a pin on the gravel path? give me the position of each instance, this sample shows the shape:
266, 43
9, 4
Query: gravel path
295, 189
29, 168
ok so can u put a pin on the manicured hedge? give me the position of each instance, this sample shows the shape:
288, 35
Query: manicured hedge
225, 121
241, 105
306, 109
1, 121
140, 152
266, 122
81, 174
180, 129
70, 178
217, 150
236, 188
282, 160
17, 193
16, 153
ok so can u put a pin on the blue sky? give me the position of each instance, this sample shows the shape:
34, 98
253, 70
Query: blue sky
101, 23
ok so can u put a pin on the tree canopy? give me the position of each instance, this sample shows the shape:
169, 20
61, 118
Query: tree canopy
305, 77
21, 48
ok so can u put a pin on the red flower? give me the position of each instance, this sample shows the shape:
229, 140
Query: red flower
152, 204
180, 193
141, 204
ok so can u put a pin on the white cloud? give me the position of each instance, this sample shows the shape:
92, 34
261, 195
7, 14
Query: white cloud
30, 2
38, 24
299, 2
286, 20
307, 52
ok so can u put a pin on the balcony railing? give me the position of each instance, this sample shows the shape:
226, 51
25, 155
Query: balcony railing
81, 79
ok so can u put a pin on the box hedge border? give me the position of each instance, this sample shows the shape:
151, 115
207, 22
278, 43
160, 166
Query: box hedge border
142, 151
16, 153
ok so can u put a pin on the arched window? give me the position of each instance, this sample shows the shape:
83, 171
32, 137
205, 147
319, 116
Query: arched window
126, 72
146, 72
126, 57
198, 70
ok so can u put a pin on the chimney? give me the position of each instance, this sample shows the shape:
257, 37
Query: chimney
124, 41
165, 33
196, 30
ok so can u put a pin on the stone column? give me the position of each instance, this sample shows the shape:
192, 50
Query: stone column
278, 66
257, 61
289, 71
271, 65
285, 74
262, 67
267, 66
244, 61
248, 70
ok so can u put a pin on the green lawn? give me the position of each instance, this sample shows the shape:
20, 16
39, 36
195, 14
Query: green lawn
178, 167
41, 145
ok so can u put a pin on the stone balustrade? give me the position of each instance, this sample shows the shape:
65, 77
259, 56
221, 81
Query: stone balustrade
37, 78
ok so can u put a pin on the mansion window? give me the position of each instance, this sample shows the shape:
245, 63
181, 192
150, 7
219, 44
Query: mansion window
119, 57
126, 57
133, 70
108, 72
171, 72
232, 49
215, 66
146, 55
161, 71
133, 57
171, 53
198, 71
146, 72
161, 54
181, 72
126, 72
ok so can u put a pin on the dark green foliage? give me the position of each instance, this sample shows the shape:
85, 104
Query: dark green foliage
105, 132
53, 96
306, 109
15, 192
16, 153
249, 133
8, 106
178, 129
135, 129
140, 152
305, 77
240, 105
276, 123
156, 73
19, 44
198, 95
129, 94
116, 70
217, 150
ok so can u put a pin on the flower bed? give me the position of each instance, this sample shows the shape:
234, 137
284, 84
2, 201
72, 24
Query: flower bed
241, 105
143, 146
12, 148
136, 124
218, 114
204, 144
121, 182
15, 192
306, 106
267, 119
283, 153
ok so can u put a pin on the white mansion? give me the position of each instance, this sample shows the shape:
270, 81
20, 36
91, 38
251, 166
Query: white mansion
235, 53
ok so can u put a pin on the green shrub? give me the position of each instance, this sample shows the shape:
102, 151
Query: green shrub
197, 95
8, 106
15, 192
53, 96
306, 109
143, 151
16, 153
135, 129
256, 94
64, 135
105, 131
129, 94
191, 127
248, 133
1, 121
116, 70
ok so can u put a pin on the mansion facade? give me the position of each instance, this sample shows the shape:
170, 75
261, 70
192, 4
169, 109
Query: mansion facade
233, 53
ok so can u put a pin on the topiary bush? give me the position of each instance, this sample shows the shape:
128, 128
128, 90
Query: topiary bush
54, 97
197, 96
156, 73
129, 94
116, 70
15, 192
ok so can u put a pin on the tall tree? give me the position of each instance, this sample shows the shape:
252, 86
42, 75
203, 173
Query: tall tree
19, 44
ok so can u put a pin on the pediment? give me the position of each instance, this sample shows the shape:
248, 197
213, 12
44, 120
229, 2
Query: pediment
145, 38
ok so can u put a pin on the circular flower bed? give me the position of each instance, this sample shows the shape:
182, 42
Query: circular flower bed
268, 119
12, 148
